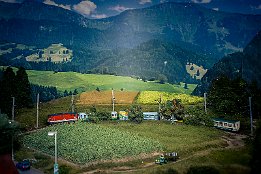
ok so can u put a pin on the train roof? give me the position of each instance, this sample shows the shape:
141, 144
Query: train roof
62, 113
224, 120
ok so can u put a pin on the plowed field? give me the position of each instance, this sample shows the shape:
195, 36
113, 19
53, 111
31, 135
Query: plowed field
105, 97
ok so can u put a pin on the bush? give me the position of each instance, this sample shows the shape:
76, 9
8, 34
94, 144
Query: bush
136, 114
94, 119
202, 170
196, 116
103, 115
64, 169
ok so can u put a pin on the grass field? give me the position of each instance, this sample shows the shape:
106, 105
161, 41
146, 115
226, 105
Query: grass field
88, 82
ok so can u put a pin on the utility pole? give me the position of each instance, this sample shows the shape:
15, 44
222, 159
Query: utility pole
205, 102
72, 103
37, 110
13, 106
113, 99
251, 117
160, 99
13, 111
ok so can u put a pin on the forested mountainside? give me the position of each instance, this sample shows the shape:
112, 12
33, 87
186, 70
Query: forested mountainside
245, 65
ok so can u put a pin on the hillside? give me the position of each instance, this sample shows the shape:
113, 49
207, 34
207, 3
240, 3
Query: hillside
244, 64
154, 58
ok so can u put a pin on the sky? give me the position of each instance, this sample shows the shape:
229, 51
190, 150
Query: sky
97, 9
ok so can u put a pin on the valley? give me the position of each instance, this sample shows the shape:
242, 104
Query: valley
173, 71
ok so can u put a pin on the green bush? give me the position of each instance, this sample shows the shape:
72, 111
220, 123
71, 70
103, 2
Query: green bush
63, 169
196, 116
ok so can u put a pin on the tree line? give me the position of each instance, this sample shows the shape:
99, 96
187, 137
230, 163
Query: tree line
14, 86
17, 86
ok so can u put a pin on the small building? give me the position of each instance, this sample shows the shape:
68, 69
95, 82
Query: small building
150, 116
231, 125
123, 115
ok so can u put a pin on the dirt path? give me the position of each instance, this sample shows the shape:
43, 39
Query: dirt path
234, 140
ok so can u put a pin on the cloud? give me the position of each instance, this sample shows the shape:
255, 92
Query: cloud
50, 2
85, 7
216, 9
11, 1
99, 16
144, 1
119, 8
201, 1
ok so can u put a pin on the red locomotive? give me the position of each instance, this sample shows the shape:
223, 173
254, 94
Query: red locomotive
62, 117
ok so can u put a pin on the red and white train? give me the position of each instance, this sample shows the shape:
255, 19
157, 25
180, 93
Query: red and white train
62, 117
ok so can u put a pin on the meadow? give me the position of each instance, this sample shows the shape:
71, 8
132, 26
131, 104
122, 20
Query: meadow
89, 82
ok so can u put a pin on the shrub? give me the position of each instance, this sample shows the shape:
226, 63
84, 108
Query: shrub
196, 116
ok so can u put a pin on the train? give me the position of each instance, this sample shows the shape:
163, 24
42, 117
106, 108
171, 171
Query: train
230, 125
62, 118
123, 115
72, 117
69, 117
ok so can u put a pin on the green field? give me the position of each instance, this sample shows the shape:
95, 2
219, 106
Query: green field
88, 82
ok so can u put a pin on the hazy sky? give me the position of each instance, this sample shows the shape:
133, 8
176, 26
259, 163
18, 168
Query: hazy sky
106, 8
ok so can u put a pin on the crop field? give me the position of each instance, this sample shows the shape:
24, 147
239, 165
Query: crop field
152, 97
82, 142
105, 97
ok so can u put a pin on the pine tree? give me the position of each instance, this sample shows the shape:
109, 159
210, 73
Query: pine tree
7, 91
23, 95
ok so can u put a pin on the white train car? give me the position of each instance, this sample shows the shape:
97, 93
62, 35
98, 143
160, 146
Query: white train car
231, 125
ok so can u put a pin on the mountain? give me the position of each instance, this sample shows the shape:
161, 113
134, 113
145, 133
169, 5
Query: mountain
185, 24
244, 64
190, 25
203, 32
